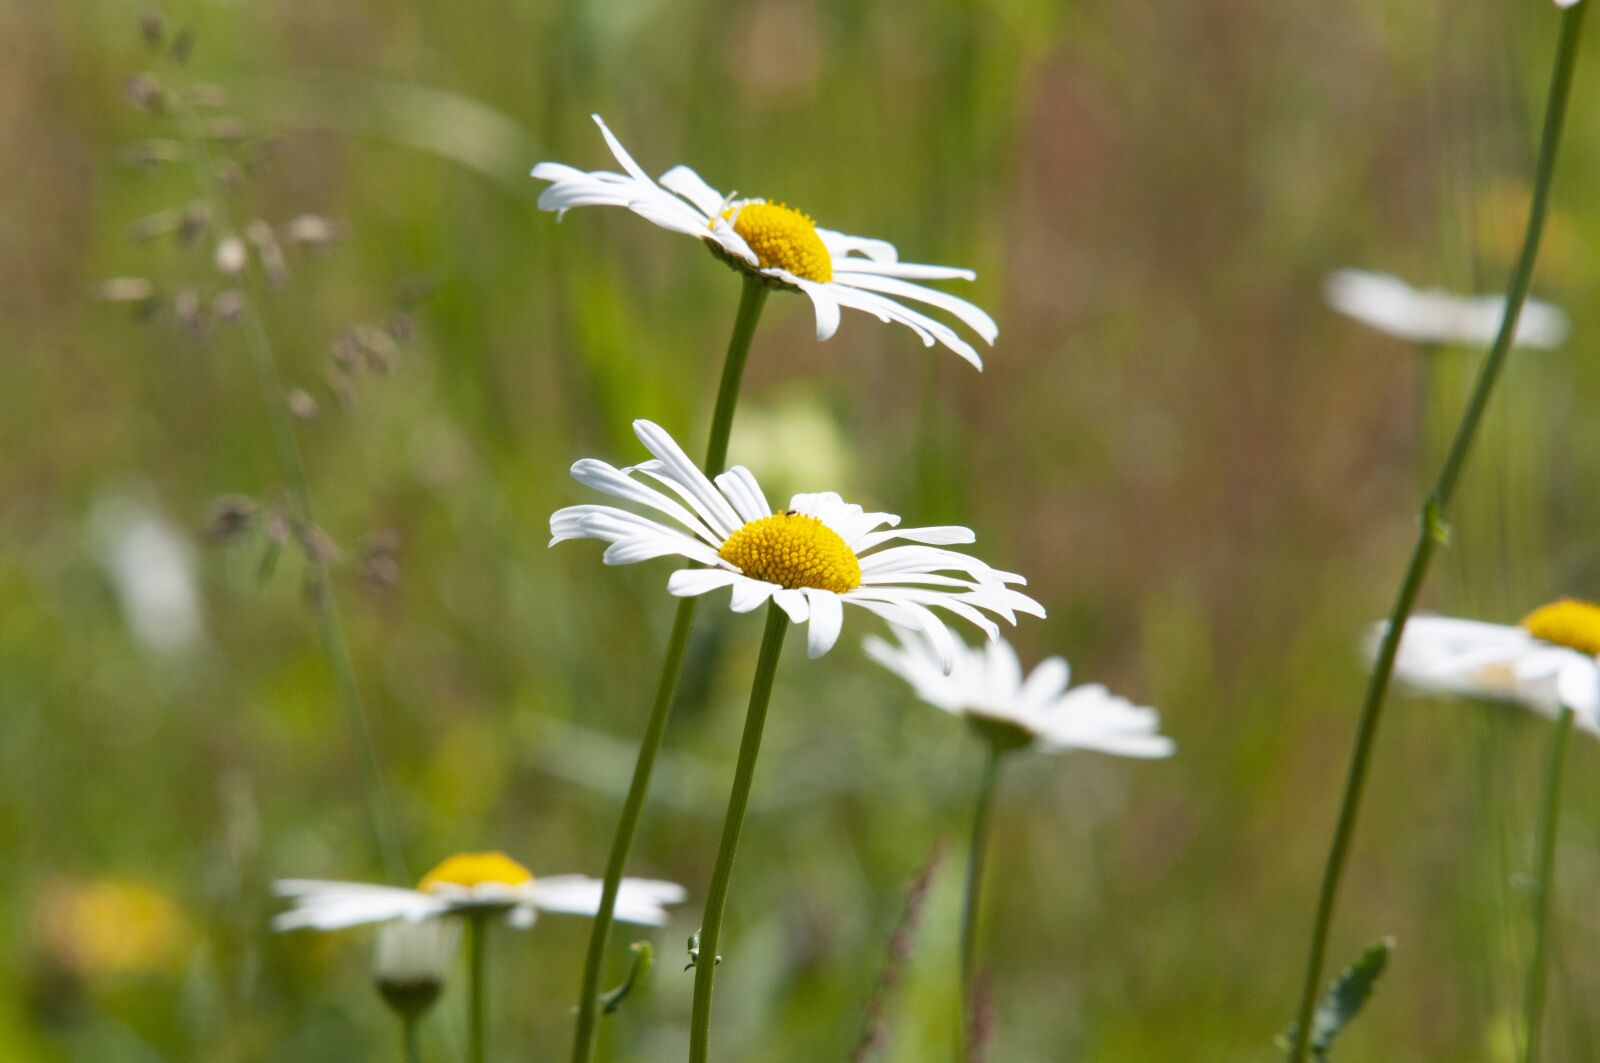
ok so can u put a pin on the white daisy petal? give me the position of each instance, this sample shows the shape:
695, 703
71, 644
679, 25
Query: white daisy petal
969, 315
824, 303
771, 241
1502, 662
744, 493
807, 560
986, 685
692, 582
827, 618
468, 882
685, 474
751, 594
688, 184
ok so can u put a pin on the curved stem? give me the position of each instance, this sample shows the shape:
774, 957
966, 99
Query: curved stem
292, 468
970, 906
738, 800
477, 988
1433, 527
751, 300
1549, 821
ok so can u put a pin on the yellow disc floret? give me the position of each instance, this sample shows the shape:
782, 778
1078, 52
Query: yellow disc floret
1569, 623
475, 869
782, 239
794, 551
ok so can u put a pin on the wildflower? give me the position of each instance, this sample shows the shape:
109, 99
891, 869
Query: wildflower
777, 244
468, 883
1389, 304
811, 559
112, 927
151, 565
987, 688
1545, 663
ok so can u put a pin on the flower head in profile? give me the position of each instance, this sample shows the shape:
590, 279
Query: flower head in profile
1389, 304
779, 245
812, 558
988, 689
1544, 663
466, 883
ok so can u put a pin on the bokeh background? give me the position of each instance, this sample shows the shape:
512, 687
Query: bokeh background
1210, 478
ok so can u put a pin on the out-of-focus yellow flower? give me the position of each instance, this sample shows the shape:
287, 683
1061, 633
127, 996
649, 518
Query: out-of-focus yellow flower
111, 927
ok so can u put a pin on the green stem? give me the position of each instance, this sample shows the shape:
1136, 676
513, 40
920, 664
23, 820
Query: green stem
1549, 821
970, 906
413, 1041
751, 300
705, 967
1432, 524
477, 989
291, 466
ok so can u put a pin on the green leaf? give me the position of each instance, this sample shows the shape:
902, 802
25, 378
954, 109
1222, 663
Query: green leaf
1346, 996
643, 957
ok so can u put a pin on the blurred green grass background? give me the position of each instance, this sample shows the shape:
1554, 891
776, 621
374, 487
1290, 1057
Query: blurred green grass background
1209, 478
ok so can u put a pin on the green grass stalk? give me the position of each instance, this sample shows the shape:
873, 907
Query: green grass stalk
738, 800
1432, 527
751, 300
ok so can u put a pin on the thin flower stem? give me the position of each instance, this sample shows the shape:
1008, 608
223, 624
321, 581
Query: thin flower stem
971, 905
292, 468
1549, 822
705, 967
1432, 524
413, 1041
752, 298
477, 988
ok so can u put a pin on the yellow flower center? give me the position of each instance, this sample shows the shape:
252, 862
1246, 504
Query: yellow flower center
475, 869
793, 550
1569, 623
782, 239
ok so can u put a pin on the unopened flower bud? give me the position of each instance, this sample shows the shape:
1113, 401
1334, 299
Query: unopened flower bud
410, 961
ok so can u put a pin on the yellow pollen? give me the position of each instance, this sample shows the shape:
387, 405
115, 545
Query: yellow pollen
782, 239
475, 869
794, 551
1569, 623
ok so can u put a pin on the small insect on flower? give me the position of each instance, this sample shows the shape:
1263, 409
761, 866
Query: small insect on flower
778, 244
489, 882
988, 689
1545, 663
1389, 304
812, 559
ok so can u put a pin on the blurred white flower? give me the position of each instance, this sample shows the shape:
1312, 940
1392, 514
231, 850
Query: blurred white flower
1389, 304
463, 883
987, 688
780, 245
1544, 663
811, 559
151, 567
794, 441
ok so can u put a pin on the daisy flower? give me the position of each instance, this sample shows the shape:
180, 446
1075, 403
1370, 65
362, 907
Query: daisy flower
1389, 304
778, 245
1545, 663
466, 884
987, 688
812, 558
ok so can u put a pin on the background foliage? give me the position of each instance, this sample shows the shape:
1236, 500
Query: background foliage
1209, 477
